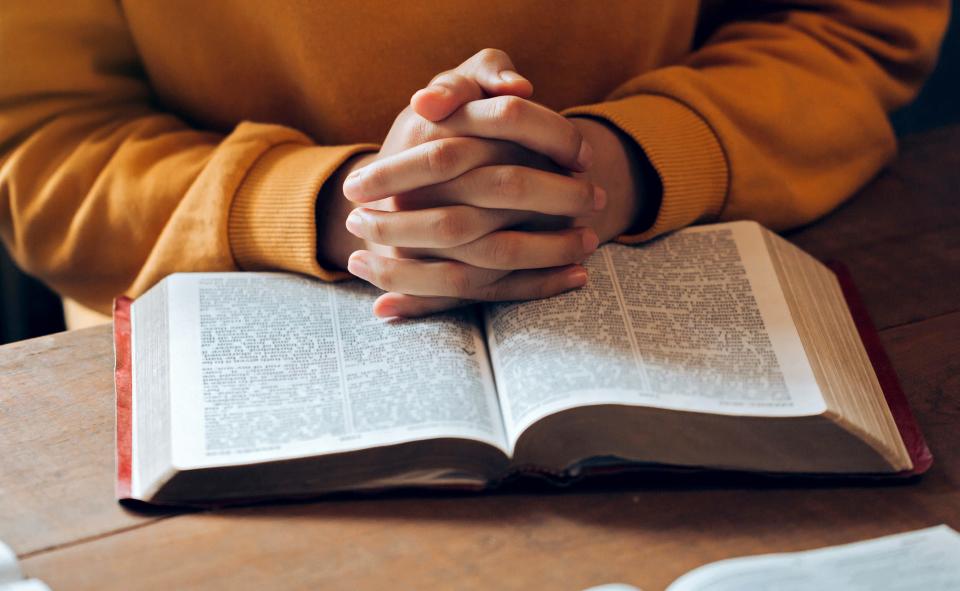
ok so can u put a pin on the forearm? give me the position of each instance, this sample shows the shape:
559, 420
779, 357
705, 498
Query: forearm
102, 193
781, 115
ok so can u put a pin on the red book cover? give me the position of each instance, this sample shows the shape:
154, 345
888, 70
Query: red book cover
896, 400
123, 376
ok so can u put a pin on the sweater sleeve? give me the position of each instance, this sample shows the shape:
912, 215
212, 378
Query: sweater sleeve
101, 194
781, 113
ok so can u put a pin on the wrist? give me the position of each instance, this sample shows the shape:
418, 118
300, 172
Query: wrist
621, 168
334, 242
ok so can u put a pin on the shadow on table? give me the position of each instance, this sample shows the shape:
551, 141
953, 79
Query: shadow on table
734, 508
667, 500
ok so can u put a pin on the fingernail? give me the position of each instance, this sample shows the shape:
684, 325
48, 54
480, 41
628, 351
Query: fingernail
511, 76
590, 241
354, 222
351, 186
357, 266
438, 90
599, 198
387, 311
585, 156
577, 278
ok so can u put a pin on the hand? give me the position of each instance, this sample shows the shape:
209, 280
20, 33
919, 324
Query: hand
459, 212
619, 165
488, 73
632, 189
479, 214
455, 200
465, 279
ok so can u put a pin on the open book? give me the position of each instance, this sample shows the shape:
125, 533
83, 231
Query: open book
719, 346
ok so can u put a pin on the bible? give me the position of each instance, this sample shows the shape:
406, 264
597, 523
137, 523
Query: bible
720, 347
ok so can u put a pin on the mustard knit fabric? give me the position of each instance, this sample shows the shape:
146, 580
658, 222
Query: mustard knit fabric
143, 138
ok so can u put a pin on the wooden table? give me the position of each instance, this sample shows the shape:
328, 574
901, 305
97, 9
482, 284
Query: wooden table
901, 240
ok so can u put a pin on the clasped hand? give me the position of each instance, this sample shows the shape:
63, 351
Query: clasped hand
476, 194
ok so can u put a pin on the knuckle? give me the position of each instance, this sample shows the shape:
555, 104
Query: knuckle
492, 293
453, 82
382, 275
503, 250
584, 195
418, 130
459, 281
441, 157
539, 290
491, 55
448, 227
509, 182
508, 110
379, 231
501, 290
456, 82
376, 177
441, 77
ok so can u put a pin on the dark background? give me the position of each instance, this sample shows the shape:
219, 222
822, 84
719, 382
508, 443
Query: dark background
28, 309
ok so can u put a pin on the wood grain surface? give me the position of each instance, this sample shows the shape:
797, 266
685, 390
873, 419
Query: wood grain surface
901, 239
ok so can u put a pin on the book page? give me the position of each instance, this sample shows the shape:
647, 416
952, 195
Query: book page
9, 567
923, 560
267, 366
25, 585
695, 321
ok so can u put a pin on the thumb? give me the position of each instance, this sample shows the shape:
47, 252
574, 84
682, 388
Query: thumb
494, 71
445, 94
487, 73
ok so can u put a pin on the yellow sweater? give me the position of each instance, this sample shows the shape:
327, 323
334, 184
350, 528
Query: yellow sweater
143, 138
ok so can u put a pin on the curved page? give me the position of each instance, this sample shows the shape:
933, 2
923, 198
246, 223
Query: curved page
270, 366
696, 321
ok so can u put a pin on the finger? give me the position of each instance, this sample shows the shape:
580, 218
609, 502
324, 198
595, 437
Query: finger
446, 93
429, 163
450, 279
511, 187
421, 277
524, 122
406, 306
489, 72
510, 250
439, 227
494, 71
519, 285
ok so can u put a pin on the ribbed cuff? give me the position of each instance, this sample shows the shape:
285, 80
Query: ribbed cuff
272, 217
682, 148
